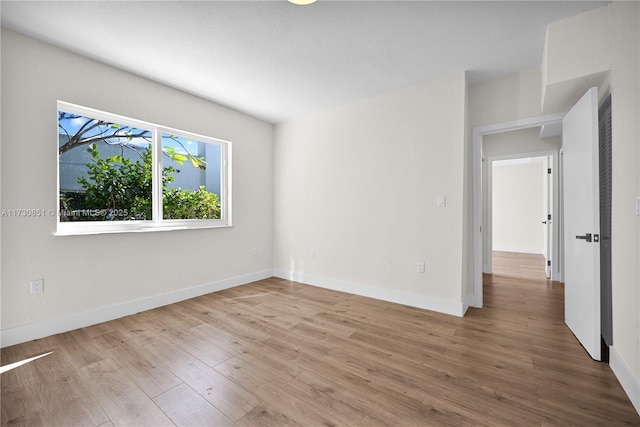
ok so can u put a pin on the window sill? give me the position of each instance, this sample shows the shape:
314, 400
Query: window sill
84, 229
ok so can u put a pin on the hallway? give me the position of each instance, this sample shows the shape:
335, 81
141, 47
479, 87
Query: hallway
524, 317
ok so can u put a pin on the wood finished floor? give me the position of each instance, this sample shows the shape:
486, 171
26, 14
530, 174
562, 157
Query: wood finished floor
278, 353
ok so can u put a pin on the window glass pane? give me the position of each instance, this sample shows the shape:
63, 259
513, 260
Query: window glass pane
105, 170
191, 175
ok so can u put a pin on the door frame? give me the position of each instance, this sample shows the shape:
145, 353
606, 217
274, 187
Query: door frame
476, 300
552, 193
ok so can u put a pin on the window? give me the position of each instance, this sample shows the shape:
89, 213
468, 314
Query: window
117, 174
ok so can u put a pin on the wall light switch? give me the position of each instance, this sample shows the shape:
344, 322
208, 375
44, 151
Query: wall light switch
442, 201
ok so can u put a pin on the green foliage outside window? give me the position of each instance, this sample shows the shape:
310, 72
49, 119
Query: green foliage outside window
118, 188
199, 204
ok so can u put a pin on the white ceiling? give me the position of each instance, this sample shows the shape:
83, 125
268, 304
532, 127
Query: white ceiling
278, 61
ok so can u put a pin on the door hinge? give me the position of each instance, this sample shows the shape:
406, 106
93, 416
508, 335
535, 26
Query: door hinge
549, 171
549, 217
548, 263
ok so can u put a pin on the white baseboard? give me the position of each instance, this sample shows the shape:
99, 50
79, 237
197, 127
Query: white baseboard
420, 301
629, 383
58, 325
519, 249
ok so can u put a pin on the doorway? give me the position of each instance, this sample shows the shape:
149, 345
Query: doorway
479, 192
519, 210
581, 267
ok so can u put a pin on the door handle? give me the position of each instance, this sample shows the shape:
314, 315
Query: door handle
586, 237
544, 222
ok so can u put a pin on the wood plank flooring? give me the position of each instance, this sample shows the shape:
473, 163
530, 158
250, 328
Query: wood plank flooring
279, 353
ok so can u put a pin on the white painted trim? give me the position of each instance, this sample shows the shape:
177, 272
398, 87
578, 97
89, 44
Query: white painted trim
59, 325
488, 266
487, 242
519, 249
629, 383
420, 301
477, 135
477, 217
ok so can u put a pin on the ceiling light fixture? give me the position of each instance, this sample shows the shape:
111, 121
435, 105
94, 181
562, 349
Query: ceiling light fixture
302, 2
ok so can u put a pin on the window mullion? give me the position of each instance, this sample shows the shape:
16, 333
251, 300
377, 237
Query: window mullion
156, 183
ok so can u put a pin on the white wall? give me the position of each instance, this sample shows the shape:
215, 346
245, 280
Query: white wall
518, 196
142, 266
520, 141
625, 75
577, 54
356, 190
509, 98
617, 48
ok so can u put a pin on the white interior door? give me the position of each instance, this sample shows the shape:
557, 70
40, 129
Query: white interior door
581, 222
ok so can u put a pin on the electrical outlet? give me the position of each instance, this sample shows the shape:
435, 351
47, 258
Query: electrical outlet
420, 267
37, 286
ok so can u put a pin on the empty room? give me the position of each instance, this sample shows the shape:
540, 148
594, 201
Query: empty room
290, 213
